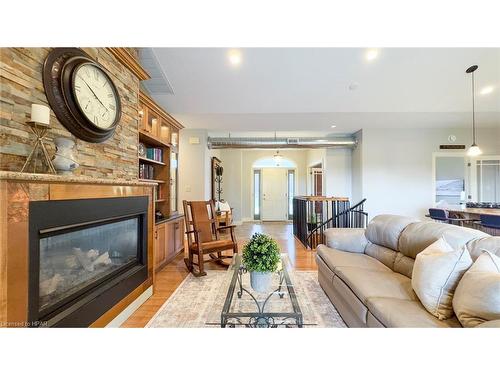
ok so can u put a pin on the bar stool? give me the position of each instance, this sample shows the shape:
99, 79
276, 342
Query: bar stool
438, 214
490, 224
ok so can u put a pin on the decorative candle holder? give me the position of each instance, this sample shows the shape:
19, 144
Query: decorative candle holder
40, 130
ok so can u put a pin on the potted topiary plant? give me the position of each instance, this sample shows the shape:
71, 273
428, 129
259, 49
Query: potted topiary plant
261, 257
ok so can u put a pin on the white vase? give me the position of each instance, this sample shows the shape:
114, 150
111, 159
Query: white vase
64, 161
261, 281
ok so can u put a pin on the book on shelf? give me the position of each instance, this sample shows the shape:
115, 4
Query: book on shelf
146, 171
154, 153
157, 193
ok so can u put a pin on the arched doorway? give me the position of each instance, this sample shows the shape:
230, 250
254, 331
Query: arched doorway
274, 185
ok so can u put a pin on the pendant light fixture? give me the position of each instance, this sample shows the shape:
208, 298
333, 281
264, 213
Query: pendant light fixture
474, 149
277, 158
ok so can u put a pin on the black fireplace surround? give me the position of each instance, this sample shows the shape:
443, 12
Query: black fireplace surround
85, 255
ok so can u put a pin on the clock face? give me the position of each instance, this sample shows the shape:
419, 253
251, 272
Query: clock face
95, 95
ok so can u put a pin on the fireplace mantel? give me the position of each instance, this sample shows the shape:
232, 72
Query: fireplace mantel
69, 179
17, 190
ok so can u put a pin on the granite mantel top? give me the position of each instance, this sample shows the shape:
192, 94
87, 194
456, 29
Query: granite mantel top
69, 179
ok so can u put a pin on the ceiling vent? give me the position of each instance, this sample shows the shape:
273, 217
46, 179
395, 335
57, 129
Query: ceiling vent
158, 83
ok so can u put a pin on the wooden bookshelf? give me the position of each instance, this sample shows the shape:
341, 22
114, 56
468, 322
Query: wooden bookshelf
146, 160
160, 131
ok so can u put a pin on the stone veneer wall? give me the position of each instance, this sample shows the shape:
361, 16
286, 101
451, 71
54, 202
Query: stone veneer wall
21, 85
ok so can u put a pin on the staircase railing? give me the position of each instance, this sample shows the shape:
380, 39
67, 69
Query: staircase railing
311, 211
352, 217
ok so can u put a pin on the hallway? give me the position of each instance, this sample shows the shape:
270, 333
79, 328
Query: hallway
170, 277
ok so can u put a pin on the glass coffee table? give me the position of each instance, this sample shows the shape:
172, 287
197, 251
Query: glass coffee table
237, 304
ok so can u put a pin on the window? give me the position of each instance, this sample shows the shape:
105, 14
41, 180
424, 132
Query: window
271, 163
256, 196
291, 193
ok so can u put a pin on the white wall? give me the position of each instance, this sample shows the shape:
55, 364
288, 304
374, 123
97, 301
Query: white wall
195, 166
397, 166
232, 180
338, 172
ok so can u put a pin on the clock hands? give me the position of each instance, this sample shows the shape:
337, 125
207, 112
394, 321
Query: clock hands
93, 93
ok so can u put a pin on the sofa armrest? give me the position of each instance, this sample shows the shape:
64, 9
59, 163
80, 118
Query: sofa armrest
352, 240
490, 324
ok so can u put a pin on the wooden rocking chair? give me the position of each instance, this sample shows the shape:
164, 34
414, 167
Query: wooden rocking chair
202, 230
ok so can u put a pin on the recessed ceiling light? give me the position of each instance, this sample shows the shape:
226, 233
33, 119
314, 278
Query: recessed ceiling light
353, 86
371, 54
234, 57
333, 126
486, 90
321, 140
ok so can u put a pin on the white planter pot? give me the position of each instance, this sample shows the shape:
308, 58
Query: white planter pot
64, 161
261, 281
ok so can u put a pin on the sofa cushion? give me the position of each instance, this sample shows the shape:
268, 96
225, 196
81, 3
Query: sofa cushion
417, 236
477, 297
367, 283
398, 313
335, 258
403, 265
372, 322
478, 246
384, 230
352, 240
490, 324
382, 254
350, 308
436, 274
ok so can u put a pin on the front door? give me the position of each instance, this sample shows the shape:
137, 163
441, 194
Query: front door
274, 194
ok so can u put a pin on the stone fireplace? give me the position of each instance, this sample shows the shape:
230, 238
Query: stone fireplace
85, 255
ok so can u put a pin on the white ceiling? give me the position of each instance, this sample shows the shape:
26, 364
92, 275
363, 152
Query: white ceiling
292, 89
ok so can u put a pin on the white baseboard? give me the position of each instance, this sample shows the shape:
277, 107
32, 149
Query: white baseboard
130, 309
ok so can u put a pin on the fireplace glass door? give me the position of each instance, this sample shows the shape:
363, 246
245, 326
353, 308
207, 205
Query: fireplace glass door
72, 261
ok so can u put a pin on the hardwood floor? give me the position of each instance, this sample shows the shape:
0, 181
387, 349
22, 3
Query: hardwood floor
170, 277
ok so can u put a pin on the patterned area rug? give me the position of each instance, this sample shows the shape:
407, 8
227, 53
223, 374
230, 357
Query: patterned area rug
192, 304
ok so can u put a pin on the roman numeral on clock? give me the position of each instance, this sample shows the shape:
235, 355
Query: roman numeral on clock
112, 107
96, 120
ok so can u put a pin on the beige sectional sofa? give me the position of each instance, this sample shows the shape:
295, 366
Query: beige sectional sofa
367, 273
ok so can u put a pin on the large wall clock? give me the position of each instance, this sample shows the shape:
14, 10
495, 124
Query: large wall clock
81, 94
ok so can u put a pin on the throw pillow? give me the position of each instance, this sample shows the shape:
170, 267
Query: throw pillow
477, 298
436, 273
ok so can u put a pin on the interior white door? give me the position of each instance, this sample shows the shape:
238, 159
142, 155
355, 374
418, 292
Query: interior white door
274, 194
